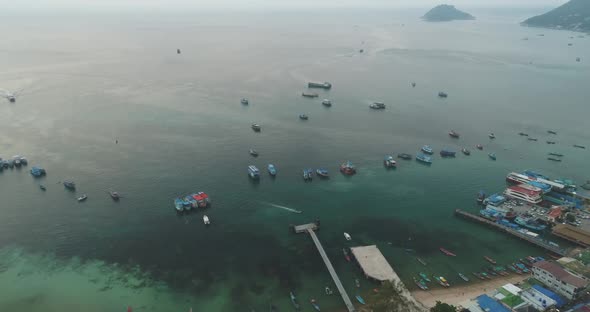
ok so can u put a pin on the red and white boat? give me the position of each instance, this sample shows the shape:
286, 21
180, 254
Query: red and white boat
448, 253
347, 168
202, 199
525, 192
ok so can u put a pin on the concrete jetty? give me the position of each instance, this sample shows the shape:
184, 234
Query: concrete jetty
310, 229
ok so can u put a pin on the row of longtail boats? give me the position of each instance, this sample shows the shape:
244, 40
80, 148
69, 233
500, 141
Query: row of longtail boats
522, 266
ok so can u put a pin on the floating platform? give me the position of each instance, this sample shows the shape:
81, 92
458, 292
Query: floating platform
374, 264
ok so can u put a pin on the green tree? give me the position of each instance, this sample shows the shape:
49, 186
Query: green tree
443, 307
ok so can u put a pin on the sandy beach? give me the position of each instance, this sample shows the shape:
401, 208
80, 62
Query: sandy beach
456, 294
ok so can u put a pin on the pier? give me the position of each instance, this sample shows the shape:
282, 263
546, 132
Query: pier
310, 228
535, 241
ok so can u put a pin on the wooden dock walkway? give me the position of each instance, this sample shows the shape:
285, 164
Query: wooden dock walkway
335, 277
532, 240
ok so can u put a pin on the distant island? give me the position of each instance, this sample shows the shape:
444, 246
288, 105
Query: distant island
445, 13
574, 15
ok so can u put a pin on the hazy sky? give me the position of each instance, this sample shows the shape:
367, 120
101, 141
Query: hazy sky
262, 4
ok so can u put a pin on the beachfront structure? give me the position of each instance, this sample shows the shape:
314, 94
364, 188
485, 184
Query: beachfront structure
373, 264
538, 299
557, 278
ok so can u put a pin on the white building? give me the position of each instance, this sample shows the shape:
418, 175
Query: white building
558, 279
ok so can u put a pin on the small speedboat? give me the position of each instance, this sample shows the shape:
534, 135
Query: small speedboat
357, 283
492, 156
523, 134
82, 198
533, 139
442, 94
413, 84
244, 101
377, 105
347, 236
551, 132
310, 95
256, 127
579, 146
272, 170
551, 142
322, 173
492, 136
327, 103
427, 149
303, 117
479, 147
454, 134
389, 162
466, 151
253, 153
315, 304
294, 301
114, 195
42, 187
360, 299
329, 291
421, 261
206, 220
346, 255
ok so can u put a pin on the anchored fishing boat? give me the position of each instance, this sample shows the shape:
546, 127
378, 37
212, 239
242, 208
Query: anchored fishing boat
310, 95
466, 151
421, 261
348, 168
492, 136
446, 252
479, 147
427, 149
463, 277
272, 170
442, 281
294, 301
253, 172
82, 198
447, 153
404, 156
253, 152
454, 134
490, 260
307, 174
420, 285
424, 159
347, 236
256, 127
303, 117
425, 277
206, 220
327, 103
315, 305
114, 195
244, 101
360, 299
492, 156
322, 173
70, 185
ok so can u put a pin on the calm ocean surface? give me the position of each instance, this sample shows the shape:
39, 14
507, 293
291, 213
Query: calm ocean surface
93, 79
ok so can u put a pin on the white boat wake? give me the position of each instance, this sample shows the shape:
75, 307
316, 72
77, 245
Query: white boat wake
284, 208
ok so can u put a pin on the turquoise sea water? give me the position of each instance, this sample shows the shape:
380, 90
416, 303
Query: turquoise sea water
91, 80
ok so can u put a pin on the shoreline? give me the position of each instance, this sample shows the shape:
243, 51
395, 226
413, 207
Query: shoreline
458, 294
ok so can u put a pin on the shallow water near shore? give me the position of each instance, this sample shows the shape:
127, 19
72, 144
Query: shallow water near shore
181, 128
